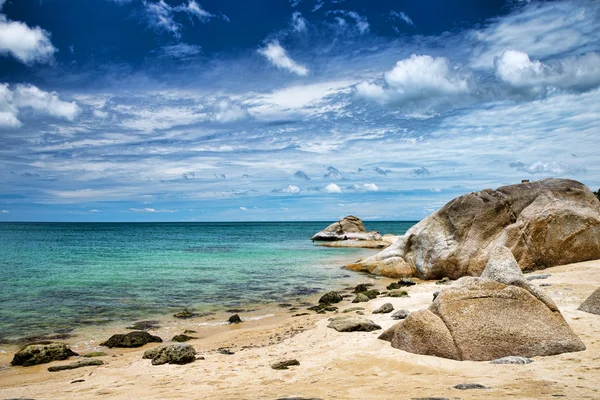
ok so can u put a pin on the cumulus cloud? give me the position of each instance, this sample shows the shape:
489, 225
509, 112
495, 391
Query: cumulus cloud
277, 55
578, 73
333, 188
151, 210
289, 189
548, 168
416, 78
29, 96
365, 187
298, 22
243, 209
26, 44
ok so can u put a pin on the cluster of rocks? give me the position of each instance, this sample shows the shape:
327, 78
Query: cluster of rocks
348, 228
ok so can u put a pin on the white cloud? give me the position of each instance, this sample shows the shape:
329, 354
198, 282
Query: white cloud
28, 45
4, 211
160, 17
333, 188
548, 168
298, 22
30, 96
362, 24
180, 51
416, 78
228, 112
366, 187
403, 17
292, 189
515, 68
193, 8
151, 210
243, 209
94, 211
277, 55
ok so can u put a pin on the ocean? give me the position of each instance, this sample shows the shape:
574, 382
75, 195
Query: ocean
55, 277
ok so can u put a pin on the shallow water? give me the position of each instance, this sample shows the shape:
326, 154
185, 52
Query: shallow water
58, 276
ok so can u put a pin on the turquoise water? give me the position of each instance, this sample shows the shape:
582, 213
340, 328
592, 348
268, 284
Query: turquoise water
57, 276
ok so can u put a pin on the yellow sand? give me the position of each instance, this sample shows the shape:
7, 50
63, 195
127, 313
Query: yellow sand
333, 365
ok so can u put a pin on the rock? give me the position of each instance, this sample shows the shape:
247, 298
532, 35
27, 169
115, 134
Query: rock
235, 319
444, 281
512, 360
467, 386
351, 309
371, 294
300, 314
321, 308
360, 298
285, 364
360, 313
397, 293
384, 309
182, 338
189, 331
94, 354
480, 319
401, 283
144, 325
185, 314
225, 351
330, 298
131, 339
393, 285
348, 228
176, 353
592, 303
76, 364
545, 223
545, 285
400, 314
78, 381
41, 353
353, 324
540, 276
362, 287
435, 295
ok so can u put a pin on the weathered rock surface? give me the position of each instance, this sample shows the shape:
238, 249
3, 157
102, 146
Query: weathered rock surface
592, 303
176, 353
131, 339
512, 360
544, 223
41, 353
330, 298
400, 314
76, 364
480, 319
384, 309
352, 324
348, 228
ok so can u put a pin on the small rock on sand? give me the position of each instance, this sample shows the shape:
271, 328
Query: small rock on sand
468, 386
352, 324
512, 360
131, 339
384, 309
176, 353
77, 364
360, 298
330, 298
285, 364
397, 293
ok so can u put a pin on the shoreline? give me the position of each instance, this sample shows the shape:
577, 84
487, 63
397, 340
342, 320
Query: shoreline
333, 365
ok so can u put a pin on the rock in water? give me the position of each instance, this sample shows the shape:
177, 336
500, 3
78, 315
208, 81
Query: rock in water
330, 298
235, 319
285, 364
352, 324
384, 309
512, 360
131, 339
76, 364
479, 319
544, 223
348, 228
41, 353
592, 303
177, 353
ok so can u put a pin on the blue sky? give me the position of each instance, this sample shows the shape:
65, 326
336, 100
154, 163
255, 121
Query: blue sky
188, 110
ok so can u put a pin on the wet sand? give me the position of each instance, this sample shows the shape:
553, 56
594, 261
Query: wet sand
333, 365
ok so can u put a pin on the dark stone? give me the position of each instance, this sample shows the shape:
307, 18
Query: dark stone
285, 305
235, 319
131, 339
393, 285
235, 310
321, 308
371, 294
545, 285
362, 287
144, 326
330, 298
78, 381
443, 281
406, 282
175, 353
468, 386
225, 351
301, 314
345, 324
94, 354
76, 364
285, 364
41, 353
189, 331
182, 338
360, 298
435, 294
184, 314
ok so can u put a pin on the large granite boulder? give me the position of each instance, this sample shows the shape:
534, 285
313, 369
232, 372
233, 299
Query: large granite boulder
484, 319
592, 303
348, 228
544, 223
41, 353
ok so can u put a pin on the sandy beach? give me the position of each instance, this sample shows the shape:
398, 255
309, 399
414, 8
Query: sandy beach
333, 365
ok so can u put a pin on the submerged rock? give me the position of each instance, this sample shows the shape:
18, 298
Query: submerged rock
544, 223
176, 353
234, 319
353, 324
592, 303
185, 314
348, 228
131, 339
76, 364
144, 325
42, 353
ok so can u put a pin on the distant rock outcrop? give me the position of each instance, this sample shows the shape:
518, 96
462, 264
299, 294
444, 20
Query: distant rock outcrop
348, 228
483, 319
544, 223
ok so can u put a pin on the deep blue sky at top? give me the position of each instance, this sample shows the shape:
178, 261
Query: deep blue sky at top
177, 110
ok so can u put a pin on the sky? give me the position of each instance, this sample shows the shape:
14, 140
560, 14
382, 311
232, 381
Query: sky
289, 110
